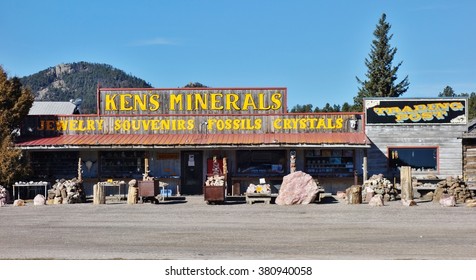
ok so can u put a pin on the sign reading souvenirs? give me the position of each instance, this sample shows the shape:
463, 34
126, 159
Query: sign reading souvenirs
415, 111
191, 101
195, 124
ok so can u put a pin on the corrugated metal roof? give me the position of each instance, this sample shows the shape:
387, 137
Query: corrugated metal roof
277, 139
52, 108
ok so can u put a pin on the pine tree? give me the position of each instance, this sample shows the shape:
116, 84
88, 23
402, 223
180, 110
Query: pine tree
447, 92
15, 103
381, 76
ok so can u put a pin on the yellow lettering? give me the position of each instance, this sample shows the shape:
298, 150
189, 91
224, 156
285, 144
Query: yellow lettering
339, 123
200, 102
248, 102
216, 100
117, 125
110, 102
456, 106
100, 124
262, 102
176, 100
231, 100
124, 102
154, 103
321, 124
140, 102
276, 99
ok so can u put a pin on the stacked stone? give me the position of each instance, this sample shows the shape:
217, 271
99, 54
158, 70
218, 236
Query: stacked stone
261, 189
455, 187
4, 196
378, 184
67, 192
215, 180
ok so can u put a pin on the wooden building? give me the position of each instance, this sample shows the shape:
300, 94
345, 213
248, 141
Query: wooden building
178, 131
422, 133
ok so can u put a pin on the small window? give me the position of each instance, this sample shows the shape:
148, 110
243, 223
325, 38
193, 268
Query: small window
420, 159
261, 162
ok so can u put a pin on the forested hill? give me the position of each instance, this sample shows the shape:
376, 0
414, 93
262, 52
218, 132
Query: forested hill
79, 80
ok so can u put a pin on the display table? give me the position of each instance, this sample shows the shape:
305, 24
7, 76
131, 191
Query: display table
258, 197
29, 185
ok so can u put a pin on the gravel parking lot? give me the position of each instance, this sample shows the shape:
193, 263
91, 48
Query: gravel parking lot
330, 230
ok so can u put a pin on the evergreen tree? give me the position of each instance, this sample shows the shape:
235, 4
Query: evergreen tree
346, 107
447, 92
15, 103
381, 75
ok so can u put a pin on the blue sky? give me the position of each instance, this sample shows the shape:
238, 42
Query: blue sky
314, 48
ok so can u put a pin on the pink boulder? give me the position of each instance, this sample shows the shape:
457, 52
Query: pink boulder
297, 188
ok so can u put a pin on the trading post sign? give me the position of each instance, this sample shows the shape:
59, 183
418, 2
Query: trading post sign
399, 111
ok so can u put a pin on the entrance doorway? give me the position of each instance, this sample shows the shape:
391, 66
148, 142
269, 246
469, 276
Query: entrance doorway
192, 172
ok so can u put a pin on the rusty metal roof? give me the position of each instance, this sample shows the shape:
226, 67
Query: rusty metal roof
271, 139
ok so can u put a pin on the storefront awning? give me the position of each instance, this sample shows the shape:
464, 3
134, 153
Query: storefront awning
201, 140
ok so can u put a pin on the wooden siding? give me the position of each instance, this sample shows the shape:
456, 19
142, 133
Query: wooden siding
469, 164
447, 138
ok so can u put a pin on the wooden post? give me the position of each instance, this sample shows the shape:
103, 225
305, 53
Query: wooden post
406, 183
99, 196
364, 167
80, 170
354, 194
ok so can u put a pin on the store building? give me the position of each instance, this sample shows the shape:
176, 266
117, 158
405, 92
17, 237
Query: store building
179, 131
425, 134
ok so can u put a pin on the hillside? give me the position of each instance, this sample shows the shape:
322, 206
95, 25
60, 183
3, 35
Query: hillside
79, 80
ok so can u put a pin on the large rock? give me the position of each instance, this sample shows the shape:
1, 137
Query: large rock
297, 188
39, 200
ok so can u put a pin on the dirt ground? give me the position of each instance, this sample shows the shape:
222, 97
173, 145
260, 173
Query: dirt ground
193, 230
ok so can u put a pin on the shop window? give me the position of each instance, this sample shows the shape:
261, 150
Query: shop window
54, 165
419, 159
122, 164
329, 163
261, 162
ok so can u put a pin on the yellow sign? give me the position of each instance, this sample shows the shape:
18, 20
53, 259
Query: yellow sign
191, 101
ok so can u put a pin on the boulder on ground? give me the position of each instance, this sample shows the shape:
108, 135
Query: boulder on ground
39, 200
297, 188
448, 200
19, 202
376, 200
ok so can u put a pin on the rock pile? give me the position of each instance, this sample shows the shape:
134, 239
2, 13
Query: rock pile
215, 180
4, 196
261, 189
453, 187
66, 192
378, 184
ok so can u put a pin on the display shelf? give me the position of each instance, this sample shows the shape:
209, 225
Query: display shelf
121, 164
329, 163
54, 165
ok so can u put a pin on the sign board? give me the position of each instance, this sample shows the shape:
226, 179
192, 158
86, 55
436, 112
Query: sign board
398, 111
191, 101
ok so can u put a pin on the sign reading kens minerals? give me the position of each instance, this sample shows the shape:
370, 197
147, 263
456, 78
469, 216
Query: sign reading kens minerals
415, 111
191, 101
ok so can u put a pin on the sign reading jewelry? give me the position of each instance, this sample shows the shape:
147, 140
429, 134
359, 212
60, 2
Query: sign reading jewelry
415, 111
